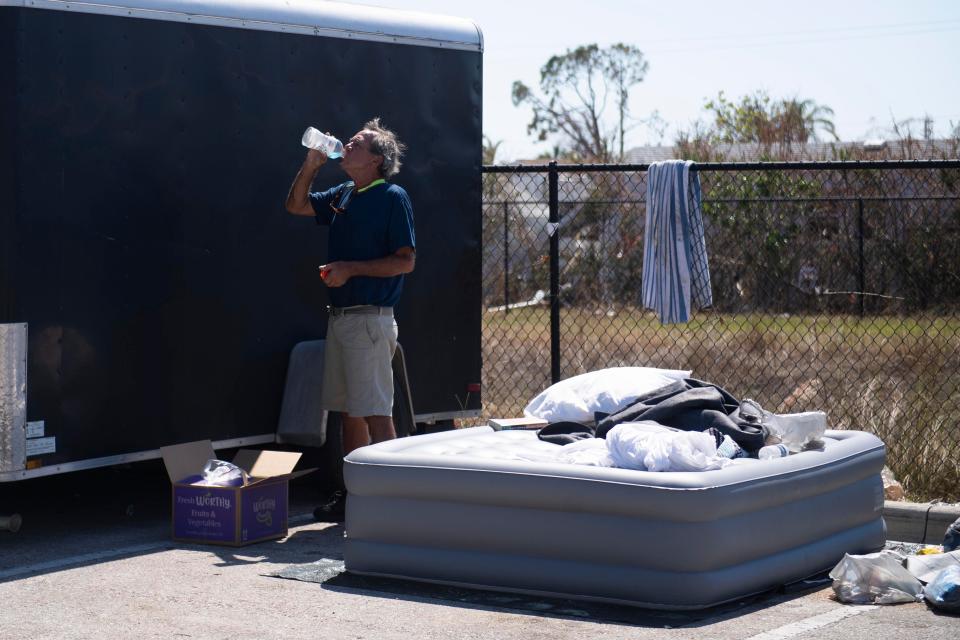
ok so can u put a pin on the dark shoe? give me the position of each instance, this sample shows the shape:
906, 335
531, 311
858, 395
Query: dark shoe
332, 511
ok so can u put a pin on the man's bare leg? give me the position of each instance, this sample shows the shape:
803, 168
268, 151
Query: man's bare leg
381, 428
356, 433
359, 432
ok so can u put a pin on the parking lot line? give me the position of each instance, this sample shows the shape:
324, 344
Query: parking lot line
80, 559
811, 623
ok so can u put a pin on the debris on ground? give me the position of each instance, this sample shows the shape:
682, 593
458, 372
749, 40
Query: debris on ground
892, 490
875, 578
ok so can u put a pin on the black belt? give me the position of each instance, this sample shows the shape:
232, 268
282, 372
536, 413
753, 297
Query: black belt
366, 309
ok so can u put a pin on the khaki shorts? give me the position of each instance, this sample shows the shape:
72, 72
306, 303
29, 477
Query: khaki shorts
357, 371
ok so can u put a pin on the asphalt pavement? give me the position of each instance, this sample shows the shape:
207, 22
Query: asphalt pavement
94, 559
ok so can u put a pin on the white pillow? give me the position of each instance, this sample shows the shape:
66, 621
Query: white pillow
606, 390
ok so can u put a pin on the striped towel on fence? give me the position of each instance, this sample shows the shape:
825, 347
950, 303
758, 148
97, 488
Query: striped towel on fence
675, 269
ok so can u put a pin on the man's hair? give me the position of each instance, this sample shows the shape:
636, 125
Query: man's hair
385, 143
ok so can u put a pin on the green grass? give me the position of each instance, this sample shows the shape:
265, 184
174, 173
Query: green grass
895, 376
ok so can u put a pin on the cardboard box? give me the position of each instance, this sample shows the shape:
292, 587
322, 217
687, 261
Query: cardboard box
232, 516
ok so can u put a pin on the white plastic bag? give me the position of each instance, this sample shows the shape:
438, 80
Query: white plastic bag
577, 398
647, 446
589, 451
217, 473
875, 578
925, 567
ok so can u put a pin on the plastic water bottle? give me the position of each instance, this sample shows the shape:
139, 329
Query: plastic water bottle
796, 431
773, 451
313, 139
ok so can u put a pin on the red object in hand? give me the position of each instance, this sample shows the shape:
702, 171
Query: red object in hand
324, 273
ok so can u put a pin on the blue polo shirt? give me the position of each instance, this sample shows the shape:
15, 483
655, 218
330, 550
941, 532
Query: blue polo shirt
366, 225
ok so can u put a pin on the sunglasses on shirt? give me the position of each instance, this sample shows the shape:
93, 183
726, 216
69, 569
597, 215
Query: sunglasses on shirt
344, 204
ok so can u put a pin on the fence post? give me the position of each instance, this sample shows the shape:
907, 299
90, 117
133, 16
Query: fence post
553, 179
506, 258
862, 276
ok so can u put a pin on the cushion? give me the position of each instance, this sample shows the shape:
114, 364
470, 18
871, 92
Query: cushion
606, 390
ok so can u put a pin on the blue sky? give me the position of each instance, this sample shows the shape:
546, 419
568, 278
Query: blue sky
869, 61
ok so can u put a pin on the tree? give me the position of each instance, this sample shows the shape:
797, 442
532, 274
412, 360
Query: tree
800, 120
750, 120
579, 90
758, 119
490, 149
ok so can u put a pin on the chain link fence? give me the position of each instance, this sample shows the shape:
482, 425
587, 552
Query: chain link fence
835, 286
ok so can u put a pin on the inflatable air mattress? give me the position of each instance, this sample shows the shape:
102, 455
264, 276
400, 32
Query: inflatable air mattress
460, 508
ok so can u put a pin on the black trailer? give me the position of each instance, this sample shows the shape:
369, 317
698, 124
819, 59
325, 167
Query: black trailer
152, 286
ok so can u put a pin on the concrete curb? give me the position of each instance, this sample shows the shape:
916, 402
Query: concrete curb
918, 522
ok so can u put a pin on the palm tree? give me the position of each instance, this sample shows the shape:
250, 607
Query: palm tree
490, 150
802, 120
